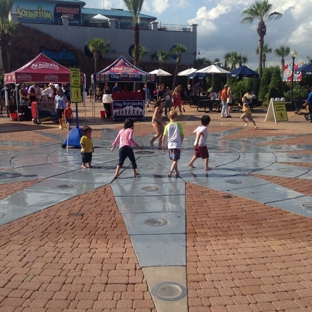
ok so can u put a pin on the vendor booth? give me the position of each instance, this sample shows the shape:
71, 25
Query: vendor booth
121, 104
41, 69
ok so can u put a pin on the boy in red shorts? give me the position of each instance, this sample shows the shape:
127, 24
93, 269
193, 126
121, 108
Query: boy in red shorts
200, 146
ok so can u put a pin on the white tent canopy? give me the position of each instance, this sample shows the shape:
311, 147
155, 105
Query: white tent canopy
160, 72
99, 18
187, 72
213, 69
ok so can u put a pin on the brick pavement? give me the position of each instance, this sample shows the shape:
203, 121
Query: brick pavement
241, 255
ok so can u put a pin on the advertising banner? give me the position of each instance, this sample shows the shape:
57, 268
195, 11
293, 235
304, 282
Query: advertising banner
128, 109
287, 72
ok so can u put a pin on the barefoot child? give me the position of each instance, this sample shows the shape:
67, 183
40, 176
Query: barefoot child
125, 139
174, 132
86, 146
200, 146
247, 112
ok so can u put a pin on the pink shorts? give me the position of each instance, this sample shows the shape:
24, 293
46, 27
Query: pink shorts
201, 151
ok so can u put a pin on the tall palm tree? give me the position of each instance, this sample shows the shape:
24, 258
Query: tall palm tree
7, 30
265, 50
135, 7
260, 10
178, 50
231, 58
282, 51
310, 59
98, 47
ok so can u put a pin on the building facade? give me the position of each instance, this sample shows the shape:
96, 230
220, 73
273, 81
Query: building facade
70, 22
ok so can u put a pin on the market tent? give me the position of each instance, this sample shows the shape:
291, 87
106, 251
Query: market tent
160, 72
243, 71
40, 69
213, 70
187, 72
122, 70
306, 69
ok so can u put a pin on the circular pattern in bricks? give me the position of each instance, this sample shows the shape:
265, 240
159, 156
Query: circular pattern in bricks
149, 188
234, 181
155, 222
169, 291
64, 186
307, 207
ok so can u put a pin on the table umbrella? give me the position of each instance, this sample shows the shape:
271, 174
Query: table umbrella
213, 70
159, 73
187, 72
243, 71
305, 70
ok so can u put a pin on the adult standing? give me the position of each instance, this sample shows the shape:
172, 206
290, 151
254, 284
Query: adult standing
177, 100
229, 100
60, 104
157, 122
308, 103
168, 105
37, 90
224, 109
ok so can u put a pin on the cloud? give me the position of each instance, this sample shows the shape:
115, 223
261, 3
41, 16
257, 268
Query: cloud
160, 6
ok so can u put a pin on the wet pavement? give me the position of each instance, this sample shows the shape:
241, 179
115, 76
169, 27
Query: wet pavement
236, 238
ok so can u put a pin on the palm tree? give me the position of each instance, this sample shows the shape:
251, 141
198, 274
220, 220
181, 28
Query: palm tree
161, 57
202, 62
98, 47
242, 59
310, 59
142, 52
265, 50
260, 10
282, 51
231, 58
7, 30
135, 6
178, 50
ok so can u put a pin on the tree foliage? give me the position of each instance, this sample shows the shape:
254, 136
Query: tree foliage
98, 47
178, 50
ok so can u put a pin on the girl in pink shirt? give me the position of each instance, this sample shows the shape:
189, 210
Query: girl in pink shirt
126, 141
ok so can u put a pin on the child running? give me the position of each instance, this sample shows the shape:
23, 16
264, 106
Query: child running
200, 146
126, 141
174, 132
86, 147
247, 113
68, 113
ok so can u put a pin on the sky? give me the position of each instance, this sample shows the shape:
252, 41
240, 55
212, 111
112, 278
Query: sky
220, 30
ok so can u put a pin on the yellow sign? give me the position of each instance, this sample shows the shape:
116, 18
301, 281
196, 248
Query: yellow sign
280, 111
75, 88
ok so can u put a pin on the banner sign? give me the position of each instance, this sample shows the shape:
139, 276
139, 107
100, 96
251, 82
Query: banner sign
287, 72
75, 90
128, 109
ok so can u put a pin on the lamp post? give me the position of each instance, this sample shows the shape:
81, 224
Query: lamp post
293, 54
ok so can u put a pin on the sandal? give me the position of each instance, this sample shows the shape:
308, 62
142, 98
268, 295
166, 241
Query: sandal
169, 174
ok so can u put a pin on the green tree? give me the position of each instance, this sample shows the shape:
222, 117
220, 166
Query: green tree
135, 7
98, 47
266, 49
161, 57
242, 59
178, 50
142, 52
231, 58
265, 83
276, 84
282, 51
202, 62
310, 59
7, 30
260, 10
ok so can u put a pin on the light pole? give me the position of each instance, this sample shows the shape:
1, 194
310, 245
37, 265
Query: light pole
293, 54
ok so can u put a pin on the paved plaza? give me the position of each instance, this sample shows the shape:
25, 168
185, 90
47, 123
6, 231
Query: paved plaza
233, 239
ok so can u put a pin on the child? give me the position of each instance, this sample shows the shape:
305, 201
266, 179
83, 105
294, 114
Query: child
174, 132
86, 147
247, 112
125, 138
68, 113
200, 142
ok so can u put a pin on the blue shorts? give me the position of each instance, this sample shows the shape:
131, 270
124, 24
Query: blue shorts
174, 154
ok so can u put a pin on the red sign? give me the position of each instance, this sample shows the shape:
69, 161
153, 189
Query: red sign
287, 72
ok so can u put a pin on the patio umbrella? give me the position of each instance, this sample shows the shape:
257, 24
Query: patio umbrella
243, 71
306, 69
213, 70
187, 72
159, 73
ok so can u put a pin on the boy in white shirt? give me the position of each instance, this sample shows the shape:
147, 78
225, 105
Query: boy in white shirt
200, 146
